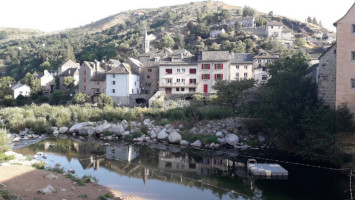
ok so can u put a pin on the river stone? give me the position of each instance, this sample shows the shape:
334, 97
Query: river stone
63, 136
153, 135
116, 129
23, 133
184, 142
174, 137
232, 139
85, 131
126, 133
51, 176
197, 143
78, 126
56, 132
102, 128
48, 190
124, 123
261, 138
222, 141
63, 129
16, 139
219, 134
162, 134
146, 122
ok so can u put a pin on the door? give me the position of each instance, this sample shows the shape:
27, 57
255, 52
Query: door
205, 88
167, 90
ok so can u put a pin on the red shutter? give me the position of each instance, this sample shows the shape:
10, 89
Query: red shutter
202, 77
222, 66
222, 76
209, 66
209, 77
215, 66
215, 76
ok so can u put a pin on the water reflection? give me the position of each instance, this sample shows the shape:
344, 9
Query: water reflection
156, 174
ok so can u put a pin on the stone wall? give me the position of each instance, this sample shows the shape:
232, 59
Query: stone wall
326, 77
260, 31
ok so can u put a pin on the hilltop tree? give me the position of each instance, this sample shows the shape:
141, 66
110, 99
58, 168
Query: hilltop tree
179, 41
166, 41
248, 11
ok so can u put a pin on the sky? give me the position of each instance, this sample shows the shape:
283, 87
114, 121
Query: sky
55, 15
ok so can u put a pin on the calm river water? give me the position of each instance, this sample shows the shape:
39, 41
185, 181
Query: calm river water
168, 172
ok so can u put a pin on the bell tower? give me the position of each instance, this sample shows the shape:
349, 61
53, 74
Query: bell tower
146, 41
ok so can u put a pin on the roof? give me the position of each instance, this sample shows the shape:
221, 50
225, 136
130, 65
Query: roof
242, 58
237, 19
18, 85
286, 30
214, 55
312, 68
335, 23
274, 23
72, 64
123, 68
99, 77
326, 51
115, 62
264, 55
69, 72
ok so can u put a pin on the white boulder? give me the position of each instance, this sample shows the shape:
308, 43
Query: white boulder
162, 134
175, 137
48, 190
232, 139
63, 129
197, 143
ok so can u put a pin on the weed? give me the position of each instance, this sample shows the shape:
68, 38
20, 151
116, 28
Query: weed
5, 194
75, 179
4, 158
87, 178
39, 165
56, 169
84, 196
105, 196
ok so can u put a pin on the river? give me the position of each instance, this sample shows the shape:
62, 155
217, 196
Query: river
174, 173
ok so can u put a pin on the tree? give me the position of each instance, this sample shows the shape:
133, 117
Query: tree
56, 97
134, 53
214, 46
104, 101
248, 11
240, 47
68, 82
271, 13
166, 41
249, 45
45, 66
300, 42
309, 19
33, 82
70, 53
179, 41
81, 97
314, 21
232, 93
5, 87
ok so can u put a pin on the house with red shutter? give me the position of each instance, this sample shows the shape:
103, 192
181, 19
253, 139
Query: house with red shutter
212, 66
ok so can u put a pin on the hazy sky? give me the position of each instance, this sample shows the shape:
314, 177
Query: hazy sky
53, 15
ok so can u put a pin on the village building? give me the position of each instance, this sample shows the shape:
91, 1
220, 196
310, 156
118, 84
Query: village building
121, 82
87, 71
68, 69
260, 65
216, 32
245, 22
212, 66
21, 89
47, 82
274, 29
241, 66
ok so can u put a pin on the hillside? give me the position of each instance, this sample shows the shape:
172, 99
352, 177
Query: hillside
7, 34
120, 36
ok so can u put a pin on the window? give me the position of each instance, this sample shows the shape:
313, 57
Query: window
246, 67
168, 80
84, 80
264, 69
98, 83
237, 67
182, 89
132, 91
113, 91
205, 66
237, 75
113, 82
205, 76
245, 75
264, 77
183, 70
178, 70
178, 80
353, 56
148, 84
353, 29
149, 70
183, 80
113, 75
192, 89
218, 66
218, 76
259, 61
192, 81
135, 83
84, 72
148, 77
192, 71
352, 83
169, 71
177, 89
84, 87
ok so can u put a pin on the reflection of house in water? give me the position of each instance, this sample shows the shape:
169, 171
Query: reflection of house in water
89, 156
121, 152
208, 165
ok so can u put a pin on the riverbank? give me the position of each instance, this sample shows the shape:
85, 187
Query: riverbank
26, 182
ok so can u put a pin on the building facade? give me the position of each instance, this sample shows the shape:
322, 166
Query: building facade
241, 66
260, 66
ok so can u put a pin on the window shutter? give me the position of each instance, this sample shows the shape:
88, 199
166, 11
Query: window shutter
215, 76
209, 66
209, 77
222, 66
222, 76
202, 77
215, 66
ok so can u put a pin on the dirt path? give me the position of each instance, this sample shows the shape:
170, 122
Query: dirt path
26, 181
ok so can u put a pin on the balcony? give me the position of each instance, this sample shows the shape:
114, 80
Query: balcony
177, 84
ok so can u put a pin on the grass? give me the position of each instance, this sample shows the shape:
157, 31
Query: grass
202, 138
4, 158
38, 165
83, 196
5, 194
86, 178
56, 169
75, 179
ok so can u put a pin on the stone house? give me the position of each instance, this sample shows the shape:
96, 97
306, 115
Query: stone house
21, 89
241, 66
274, 29
98, 85
214, 33
121, 82
245, 22
87, 71
260, 65
345, 60
70, 68
47, 82
212, 66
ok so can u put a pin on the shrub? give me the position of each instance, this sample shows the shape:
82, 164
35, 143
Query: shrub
104, 101
197, 97
344, 118
157, 104
4, 141
38, 165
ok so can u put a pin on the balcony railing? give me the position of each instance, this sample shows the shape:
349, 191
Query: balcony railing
177, 84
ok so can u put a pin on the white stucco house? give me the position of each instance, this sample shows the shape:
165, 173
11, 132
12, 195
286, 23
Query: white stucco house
47, 82
21, 89
121, 82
